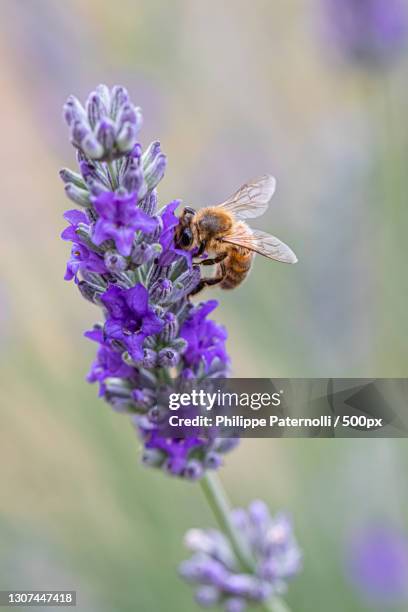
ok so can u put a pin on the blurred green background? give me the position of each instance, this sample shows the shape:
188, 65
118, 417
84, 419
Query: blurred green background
232, 90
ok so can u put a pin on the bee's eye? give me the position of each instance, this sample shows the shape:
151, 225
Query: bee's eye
186, 238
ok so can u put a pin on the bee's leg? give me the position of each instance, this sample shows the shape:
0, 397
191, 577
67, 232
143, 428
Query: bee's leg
209, 282
210, 262
201, 249
205, 282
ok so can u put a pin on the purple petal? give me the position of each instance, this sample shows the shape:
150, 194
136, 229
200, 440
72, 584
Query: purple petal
99, 234
123, 238
96, 335
139, 220
134, 344
70, 271
114, 330
168, 216
152, 324
104, 204
114, 301
137, 299
75, 216
69, 234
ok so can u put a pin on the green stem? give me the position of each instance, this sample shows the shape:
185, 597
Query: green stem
275, 605
112, 174
221, 507
219, 503
164, 376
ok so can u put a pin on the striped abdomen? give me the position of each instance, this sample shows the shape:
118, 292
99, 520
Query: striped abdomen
237, 265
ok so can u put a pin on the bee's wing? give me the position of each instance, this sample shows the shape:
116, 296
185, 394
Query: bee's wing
251, 200
262, 243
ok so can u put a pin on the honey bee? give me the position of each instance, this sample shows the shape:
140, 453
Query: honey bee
221, 232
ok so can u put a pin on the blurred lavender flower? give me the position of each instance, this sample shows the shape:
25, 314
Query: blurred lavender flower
124, 260
368, 32
377, 564
216, 572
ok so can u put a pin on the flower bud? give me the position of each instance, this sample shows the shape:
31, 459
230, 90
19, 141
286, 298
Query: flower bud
119, 97
73, 110
193, 470
136, 152
116, 387
105, 134
72, 177
94, 279
151, 153
261, 591
121, 405
103, 92
212, 461
96, 109
161, 290
144, 398
207, 596
153, 457
168, 358
258, 512
129, 115
142, 253
216, 369
77, 195
159, 310
278, 533
149, 358
142, 423
186, 282
89, 292
155, 172
126, 138
133, 180
198, 540
170, 329
79, 131
157, 414
187, 570
82, 231
96, 187
91, 147
149, 205
235, 604
88, 171
114, 262
240, 584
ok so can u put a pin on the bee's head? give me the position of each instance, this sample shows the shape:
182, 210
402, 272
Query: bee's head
184, 236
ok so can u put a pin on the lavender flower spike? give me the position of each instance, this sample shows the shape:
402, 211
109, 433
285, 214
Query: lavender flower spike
108, 125
370, 33
124, 260
215, 570
152, 339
